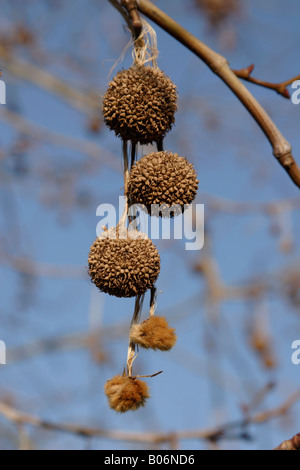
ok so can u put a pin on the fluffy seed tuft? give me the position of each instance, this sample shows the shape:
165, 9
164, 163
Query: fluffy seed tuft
153, 333
126, 393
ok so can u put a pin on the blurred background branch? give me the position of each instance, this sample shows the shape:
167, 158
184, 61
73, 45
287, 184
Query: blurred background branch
235, 303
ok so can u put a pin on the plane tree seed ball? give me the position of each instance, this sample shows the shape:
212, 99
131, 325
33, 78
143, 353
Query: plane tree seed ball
140, 104
164, 179
123, 263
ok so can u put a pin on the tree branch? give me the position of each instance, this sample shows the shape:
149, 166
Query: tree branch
135, 20
17, 417
42, 134
219, 65
280, 88
85, 102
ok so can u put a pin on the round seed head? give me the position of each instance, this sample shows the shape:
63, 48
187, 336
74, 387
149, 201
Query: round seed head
140, 104
123, 263
164, 179
126, 393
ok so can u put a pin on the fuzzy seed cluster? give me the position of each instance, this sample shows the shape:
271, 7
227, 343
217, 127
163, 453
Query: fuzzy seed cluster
164, 179
123, 264
126, 393
153, 333
140, 104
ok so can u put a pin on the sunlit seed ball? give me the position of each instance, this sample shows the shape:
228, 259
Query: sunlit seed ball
164, 179
140, 104
123, 263
126, 393
153, 333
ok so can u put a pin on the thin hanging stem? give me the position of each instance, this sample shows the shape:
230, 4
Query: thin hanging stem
133, 154
131, 354
133, 214
152, 302
126, 167
160, 145
123, 219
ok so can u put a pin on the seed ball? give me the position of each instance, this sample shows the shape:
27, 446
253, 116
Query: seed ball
140, 104
163, 183
123, 263
126, 393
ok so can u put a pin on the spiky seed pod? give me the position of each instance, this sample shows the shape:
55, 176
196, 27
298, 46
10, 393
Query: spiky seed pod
165, 179
126, 393
140, 104
153, 333
123, 263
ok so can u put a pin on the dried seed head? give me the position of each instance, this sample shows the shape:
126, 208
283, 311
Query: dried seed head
126, 393
123, 263
140, 104
165, 179
153, 333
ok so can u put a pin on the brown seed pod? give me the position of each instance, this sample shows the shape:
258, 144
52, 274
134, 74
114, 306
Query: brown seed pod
123, 263
140, 104
126, 393
153, 333
164, 179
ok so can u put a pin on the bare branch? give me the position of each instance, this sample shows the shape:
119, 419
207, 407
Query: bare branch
39, 269
85, 102
136, 23
219, 65
219, 204
280, 88
18, 417
42, 134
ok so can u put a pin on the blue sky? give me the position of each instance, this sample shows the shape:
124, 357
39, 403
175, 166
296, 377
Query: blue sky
212, 370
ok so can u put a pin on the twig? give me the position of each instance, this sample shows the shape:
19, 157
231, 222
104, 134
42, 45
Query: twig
219, 65
280, 88
116, 4
136, 23
41, 269
148, 376
42, 134
85, 102
17, 417
219, 204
